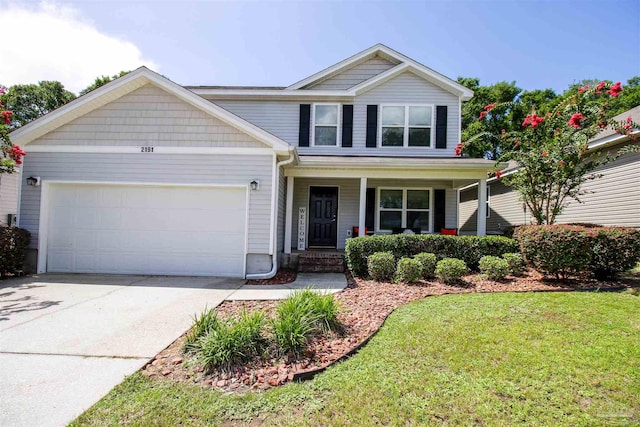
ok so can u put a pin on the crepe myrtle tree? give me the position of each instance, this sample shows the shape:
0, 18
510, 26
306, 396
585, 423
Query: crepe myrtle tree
552, 150
11, 154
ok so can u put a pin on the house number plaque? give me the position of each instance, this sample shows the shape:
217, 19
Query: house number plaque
302, 228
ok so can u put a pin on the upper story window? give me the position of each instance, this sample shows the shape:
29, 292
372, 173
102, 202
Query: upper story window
406, 125
325, 124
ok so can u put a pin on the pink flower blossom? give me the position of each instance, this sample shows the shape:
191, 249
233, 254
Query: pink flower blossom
482, 115
459, 149
583, 88
615, 90
498, 175
533, 120
6, 115
544, 154
490, 107
3, 90
575, 119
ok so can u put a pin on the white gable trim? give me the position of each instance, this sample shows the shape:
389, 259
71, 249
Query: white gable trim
127, 84
382, 50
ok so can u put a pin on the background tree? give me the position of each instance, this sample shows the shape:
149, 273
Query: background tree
28, 102
552, 148
11, 154
101, 81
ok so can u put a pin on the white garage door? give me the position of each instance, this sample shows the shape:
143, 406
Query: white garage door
169, 230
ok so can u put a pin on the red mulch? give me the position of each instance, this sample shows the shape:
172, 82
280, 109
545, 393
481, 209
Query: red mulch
283, 276
364, 305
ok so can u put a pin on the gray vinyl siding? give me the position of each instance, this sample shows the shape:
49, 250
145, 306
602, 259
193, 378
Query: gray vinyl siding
8, 195
282, 201
155, 168
281, 118
613, 199
349, 201
148, 116
354, 75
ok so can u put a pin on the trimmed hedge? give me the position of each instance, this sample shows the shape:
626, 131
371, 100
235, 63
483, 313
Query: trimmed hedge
13, 249
451, 270
467, 248
409, 270
495, 268
428, 262
561, 250
381, 266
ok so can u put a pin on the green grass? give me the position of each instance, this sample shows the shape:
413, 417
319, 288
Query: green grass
568, 359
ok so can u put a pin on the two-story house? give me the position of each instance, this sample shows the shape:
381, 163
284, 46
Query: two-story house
145, 176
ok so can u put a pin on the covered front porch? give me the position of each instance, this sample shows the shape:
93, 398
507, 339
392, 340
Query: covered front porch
330, 199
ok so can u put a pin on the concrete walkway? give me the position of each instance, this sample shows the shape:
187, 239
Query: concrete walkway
320, 282
66, 340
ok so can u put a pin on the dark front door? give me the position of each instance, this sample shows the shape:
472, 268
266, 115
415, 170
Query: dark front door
323, 214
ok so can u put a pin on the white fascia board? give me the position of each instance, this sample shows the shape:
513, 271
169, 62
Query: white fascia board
387, 173
610, 140
135, 149
336, 67
274, 94
460, 91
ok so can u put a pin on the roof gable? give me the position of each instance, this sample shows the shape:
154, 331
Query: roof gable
404, 64
127, 84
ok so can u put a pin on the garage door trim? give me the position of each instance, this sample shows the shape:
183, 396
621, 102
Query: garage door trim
45, 206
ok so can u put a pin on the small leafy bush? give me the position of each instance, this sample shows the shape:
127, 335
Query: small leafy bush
409, 270
467, 248
493, 267
428, 261
232, 341
381, 266
451, 270
562, 250
301, 316
202, 325
515, 262
14, 242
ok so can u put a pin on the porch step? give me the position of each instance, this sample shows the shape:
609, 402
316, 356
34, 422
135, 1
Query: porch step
321, 262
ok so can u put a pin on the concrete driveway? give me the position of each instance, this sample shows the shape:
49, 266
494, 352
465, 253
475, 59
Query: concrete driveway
66, 340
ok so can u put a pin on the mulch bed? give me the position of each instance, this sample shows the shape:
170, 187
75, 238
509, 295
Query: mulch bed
282, 277
364, 305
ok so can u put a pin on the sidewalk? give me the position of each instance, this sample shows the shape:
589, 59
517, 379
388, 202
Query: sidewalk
320, 282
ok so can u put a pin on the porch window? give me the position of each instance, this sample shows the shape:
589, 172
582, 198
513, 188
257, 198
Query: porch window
406, 125
325, 124
404, 208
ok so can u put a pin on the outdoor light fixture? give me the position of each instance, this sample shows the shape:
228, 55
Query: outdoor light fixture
255, 184
34, 181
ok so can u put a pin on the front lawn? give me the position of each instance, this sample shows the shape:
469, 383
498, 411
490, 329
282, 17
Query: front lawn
489, 359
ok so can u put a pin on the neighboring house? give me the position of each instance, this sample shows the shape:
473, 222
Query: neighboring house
9, 197
145, 176
613, 199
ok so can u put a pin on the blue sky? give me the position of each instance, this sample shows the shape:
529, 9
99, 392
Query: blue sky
538, 44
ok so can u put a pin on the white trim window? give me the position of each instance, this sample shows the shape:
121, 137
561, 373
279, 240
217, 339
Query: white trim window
404, 208
406, 125
326, 124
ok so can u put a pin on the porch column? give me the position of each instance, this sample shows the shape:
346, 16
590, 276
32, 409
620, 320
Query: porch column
288, 216
363, 207
482, 207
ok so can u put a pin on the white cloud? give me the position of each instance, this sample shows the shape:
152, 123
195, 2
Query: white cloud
54, 42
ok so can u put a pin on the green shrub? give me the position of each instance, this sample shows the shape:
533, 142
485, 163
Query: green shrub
451, 270
558, 250
232, 341
561, 250
515, 261
300, 316
428, 261
202, 325
381, 266
468, 248
409, 270
613, 250
495, 268
14, 242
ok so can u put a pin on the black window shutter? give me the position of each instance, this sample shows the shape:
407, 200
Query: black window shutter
372, 125
347, 125
439, 210
305, 121
441, 126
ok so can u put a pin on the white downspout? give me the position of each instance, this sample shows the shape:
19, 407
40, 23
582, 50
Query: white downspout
275, 187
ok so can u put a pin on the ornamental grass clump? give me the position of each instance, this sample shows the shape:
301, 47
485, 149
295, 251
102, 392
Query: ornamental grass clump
202, 325
232, 341
451, 270
381, 266
409, 270
428, 262
493, 267
516, 263
301, 316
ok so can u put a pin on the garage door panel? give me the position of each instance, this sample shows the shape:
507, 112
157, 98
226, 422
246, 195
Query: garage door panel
147, 230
